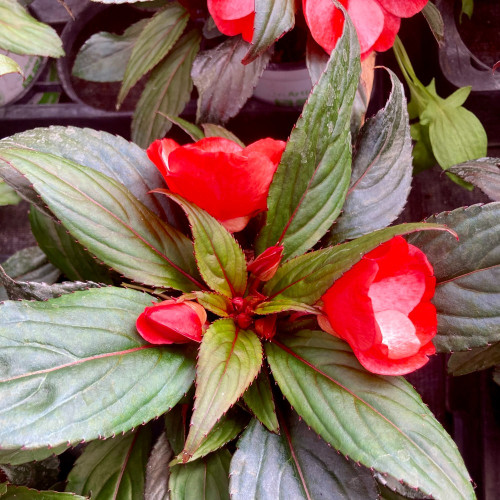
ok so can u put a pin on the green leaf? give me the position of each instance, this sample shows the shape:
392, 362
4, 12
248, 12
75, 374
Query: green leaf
114, 468
7, 195
435, 21
272, 20
158, 471
104, 56
107, 153
259, 398
85, 372
294, 465
102, 214
378, 421
64, 252
480, 358
483, 173
29, 264
8, 65
153, 44
220, 259
168, 90
280, 305
381, 171
224, 431
229, 359
23, 34
467, 274
40, 475
18, 290
467, 8
218, 304
205, 479
175, 425
306, 278
310, 184
189, 128
213, 130
223, 83
22, 493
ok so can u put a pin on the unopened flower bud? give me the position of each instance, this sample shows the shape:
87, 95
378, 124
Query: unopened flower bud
264, 267
266, 326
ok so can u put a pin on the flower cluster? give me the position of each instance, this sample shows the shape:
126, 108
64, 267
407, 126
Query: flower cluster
381, 306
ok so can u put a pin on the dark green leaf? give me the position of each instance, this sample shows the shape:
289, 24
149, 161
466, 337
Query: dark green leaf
23, 34
85, 372
435, 21
103, 215
272, 20
189, 128
104, 56
18, 290
157, 470
306, 278
378, 421
467, 276
29, 264
220, 259
204, 479
22, 493
224, 431
175, 426
168, 90
64, 252
461, 363
41, 475
310, 184
280, 305
223, 83
229, 359
213, 130
153, 44
381, 171
483, 173
107, 153
259, 398
114, 468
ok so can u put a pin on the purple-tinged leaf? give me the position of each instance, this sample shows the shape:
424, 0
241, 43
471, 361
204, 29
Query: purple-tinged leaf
483, 173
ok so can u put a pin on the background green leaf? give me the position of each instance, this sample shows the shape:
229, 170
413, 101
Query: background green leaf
41, 475
483, 173
219, 257
223, 83
381, 171
104, 56
229, 359
272, 20
310, 184
204, 479
306, 278
8, 65
214, 130
102, 215
467, 274
23, 34
7, 195
114, 468
153, 44
378, 421
480, 358
85, 372
158, 471
168, 90
22, 493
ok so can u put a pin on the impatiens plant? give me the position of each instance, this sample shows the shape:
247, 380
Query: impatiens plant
185, 361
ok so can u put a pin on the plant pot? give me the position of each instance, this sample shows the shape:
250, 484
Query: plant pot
284, 84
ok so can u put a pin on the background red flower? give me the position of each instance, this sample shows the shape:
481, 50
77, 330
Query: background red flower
233, 17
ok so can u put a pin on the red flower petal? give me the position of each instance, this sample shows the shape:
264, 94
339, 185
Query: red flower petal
424, 317
233, 17
325, 21
368, 19
158, 153
403, 8
391, 27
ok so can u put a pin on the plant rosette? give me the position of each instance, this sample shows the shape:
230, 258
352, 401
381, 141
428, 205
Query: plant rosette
293, 326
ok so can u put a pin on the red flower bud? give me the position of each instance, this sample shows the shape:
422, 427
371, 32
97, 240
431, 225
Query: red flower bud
376, 21
172, 322
382, 308
233, 17
266, 326
218, 175
266, 264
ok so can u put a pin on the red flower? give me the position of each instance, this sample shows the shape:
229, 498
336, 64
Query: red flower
382, 308
218, 175
233, 17
264, 267
376, 21
172, 322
